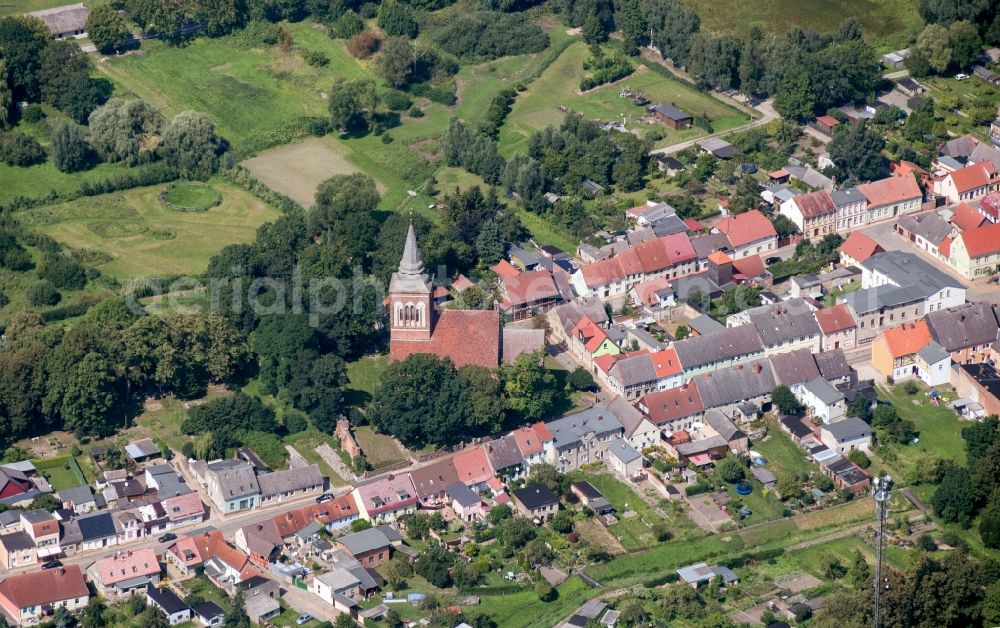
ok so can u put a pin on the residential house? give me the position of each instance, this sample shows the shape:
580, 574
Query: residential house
675, 409
335, 585
465, 503
857, 248
837, 327
505, 458
823, 400
563, 318
965, 217
718, 350
910, 351
531, 442
165, 481
79, 499
851, 207
260, 541
844, 473
591, 498
581, 438
749, 233
966, 331
208, 614
17, 550
166, 600
385, 498
667, 256
184, 509
700, 573
975, 254
624, 459
370, 547
432, 480
967, 183
722, 425
27, 599
100, 530
814, 214
16, 488
846, 435
528, 294
730, 388
980, 383
65, 22
43, 529
261, 608
473, 467
891, 197
125, 572
794, 369
232, 485
536, 501
590, 341
639, 431
279, 486
783, 326
142, 450
671, 116
928, 231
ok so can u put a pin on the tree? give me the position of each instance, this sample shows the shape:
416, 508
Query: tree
562, 522
859, 458
191, 145
989, 523
954, 499
731, 470
45, 501
548, 475
126, 130
788, 486
753, 62
490, 245
352, 104
18, 149
682, 332
395, 61
860, 570
237, 616
70, 150
857, 152
344, 621
580, 379
396, 19
435, 566
831, 567
486, 399
348, 25
795, 97
342, 214
965, 43
631, 23
107, 29
42, 293
21, 48
499, 513
785, 400
594, 31
529, 387
63, 271
6, 99
948, 11
991, 605
934, 43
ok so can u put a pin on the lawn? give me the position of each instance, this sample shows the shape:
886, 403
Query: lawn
363, 377
633, 532
163, 418
889, 23
939, 428
16, 7
783, 456
559, 85
62, 472
145, 238
380, 450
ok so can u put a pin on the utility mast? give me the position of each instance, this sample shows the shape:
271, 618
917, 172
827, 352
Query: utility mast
882, 492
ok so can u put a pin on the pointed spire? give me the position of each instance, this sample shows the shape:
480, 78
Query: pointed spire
411, 263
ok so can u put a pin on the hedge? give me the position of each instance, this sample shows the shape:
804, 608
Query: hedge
70, 310
697, 489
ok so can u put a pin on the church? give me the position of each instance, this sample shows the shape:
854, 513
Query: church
416, 325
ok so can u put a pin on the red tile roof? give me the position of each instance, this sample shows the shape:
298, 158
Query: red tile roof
602, 273
606, 361
693, 225
472, 465
908, 339
945, 247
591, 333
543, 431
973, 177
183, 506
666, 363
38, 588
529, 287
829, 121
387, 493
646, 291
981, 240
815, 204
990, 205
781, 173
965, 217
288, 523
835, 318
747, 227
503, 268
461, 284
675, 403
860, 247
720, 258
890, 190
527, 441
465, 336
128, 565
748, 267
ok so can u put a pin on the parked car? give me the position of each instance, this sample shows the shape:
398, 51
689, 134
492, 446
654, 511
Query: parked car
772, 260
169, 536
303, 618
325, 497
52, 564
961, 76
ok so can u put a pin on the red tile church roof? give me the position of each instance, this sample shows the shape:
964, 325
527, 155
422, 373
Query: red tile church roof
465, 336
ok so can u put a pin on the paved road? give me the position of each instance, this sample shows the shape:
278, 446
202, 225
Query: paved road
768, 114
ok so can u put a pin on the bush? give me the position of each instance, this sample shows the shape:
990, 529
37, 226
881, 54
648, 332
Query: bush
315, 58
415, 112
439, 95
33, 114
396, 100
859, 458
347, 25
187, 449
4, 299
910, 387
42, 293
295, 423
70, 150
64, 272
486, 35
697, 489
926, 543
18, 149
364, 44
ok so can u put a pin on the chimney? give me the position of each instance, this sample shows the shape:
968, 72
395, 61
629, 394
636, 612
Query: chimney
757, 368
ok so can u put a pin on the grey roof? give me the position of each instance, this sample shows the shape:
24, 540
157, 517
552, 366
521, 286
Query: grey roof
168, 482
671, 112
930, 226
236, 478
810, 176
339, 579
963, 326
37, 515
909, 83
623, 451
97, 526
832, 365
848, 428
625, 412
518, 341
763, 475
705, 324
65, 19
725, 344
932, 353
907, 269
985, 152
504, 452
794, 367
735, 384
950, 162
873, 299
166, 599
9, 517
208, 610
17, 541
535, 496
313, 527
461, 493
571, 428
700, 572
569, 314
525, 257
717, 146
364, 577
142, 448
23, 466
782, 322
410, 277
364, 541
634, 370
668, 225
701, 445
260, 605
705, 245
390, 533
850, 196
723, 425
846, 471
824, 391
77, 495
290, 480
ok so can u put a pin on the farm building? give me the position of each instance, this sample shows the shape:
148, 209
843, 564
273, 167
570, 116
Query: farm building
987, 75
717, 147
66, 21
671, 116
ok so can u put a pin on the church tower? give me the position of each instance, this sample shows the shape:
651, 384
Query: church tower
411, 301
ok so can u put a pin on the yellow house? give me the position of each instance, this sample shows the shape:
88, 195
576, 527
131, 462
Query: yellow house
975, 253
894, 351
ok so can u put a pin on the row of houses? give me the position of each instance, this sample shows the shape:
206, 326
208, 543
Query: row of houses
235, 485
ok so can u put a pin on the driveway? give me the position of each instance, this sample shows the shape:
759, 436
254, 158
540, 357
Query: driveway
305, 602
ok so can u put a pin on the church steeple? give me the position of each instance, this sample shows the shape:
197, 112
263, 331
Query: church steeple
411, 302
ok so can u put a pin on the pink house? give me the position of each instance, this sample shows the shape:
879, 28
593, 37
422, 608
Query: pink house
838, 327
465, 502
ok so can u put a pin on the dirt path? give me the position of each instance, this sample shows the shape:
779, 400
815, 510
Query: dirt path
331, 458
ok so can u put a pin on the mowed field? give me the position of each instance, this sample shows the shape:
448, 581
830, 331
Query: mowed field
296, 170
888, 24
559, 85
16, 7
144, 237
